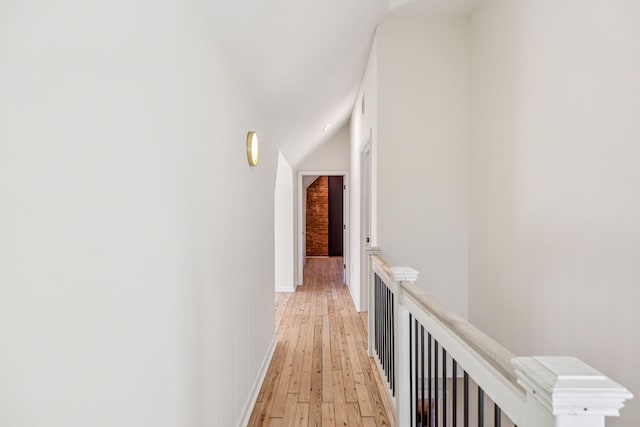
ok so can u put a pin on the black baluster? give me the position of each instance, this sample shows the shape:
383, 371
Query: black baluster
410, 367
384, 330
454, 377
386, 324
422, 416
379, 324
480, 407
466, 399
380, 355
429, 378
382, 314
435, 379
388, 334
444, 387
376, 316
417, 339
497, 416
393, 347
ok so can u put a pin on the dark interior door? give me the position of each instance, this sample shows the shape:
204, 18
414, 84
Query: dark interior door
336, 218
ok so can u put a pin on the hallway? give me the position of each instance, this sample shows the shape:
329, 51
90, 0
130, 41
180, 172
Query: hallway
320, 374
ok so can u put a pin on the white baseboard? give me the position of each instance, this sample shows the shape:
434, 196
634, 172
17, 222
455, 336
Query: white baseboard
248, 409
285, 290
353, 297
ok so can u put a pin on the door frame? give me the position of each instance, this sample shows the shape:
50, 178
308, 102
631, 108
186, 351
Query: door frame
302, 238
366, 155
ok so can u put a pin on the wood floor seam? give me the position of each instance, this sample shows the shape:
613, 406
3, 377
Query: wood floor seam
320, 373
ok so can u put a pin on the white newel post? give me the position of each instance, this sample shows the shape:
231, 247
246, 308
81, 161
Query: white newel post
566, 392
401, 357
368, 281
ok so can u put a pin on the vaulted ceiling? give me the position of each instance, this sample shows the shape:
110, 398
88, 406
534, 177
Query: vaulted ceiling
304, 60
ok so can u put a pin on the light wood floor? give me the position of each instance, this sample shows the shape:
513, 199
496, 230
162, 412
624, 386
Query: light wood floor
320, 374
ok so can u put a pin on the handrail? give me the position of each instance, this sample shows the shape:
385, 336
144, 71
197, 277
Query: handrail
487, 348
532, 391
383, 269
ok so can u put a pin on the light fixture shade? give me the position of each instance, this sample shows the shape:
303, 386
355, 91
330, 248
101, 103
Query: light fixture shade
252, 148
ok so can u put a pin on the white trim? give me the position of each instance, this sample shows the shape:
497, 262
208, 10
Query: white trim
345, 210
509, 396
566, 386
248, 409
353, 298
365, 222
373, 188
285, 290
543, 391
387, 385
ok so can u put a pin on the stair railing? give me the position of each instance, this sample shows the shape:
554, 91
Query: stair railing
442, 371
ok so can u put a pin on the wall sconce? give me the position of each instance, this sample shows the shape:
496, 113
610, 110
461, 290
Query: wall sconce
252, 148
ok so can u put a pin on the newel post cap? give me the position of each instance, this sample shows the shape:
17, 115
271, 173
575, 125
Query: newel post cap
373, 250
568, 386
404, 274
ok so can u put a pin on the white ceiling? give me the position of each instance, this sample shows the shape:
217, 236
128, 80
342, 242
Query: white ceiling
304, 59
432, 7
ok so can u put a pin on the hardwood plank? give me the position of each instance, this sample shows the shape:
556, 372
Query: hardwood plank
364, 316
318, 311
361, 389
289, 417
353, 413
340, 407
334, 333
278, 403
328, 415
298, 360
320, 374
258, 415
315, 400
369, 422
387, 407
327, 381
347, 372
307, 365
273, 373
380, 403
302, 414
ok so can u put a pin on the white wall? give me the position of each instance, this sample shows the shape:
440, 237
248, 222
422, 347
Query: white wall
331, 155
124, 294
284, 227
423, 122
554, 232
364, 130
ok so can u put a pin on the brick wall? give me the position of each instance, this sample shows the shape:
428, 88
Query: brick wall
318, 217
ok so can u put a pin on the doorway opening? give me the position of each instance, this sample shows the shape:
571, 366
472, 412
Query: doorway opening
322, 218
325, 217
